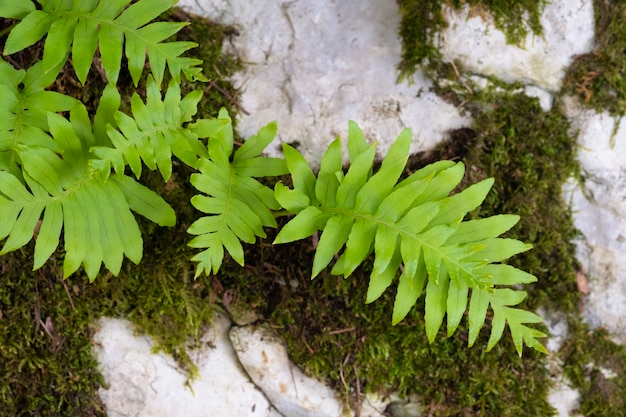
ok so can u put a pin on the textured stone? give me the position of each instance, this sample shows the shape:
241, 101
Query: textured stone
265, 359
481, 48
600, 214
144, 384
312, 66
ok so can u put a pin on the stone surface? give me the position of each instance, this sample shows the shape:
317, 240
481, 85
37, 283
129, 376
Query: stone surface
293, 394
541, 61
600, 214
144, 384
313, 66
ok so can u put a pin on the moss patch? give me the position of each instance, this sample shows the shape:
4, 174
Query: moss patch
422, 20
598, 77
597, 367
531, 154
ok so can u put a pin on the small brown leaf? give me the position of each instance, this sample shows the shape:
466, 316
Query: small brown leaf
581, 282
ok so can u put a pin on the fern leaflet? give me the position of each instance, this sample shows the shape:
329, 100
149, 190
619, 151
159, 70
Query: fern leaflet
24, 113
152, 135
237, 204
94, 213
416, 232
81, 27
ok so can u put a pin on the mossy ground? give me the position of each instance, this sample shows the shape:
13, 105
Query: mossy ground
46, 322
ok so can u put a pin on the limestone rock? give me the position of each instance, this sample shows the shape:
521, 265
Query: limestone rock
481, 48
313, 66
264, 357
145, 384
600, 214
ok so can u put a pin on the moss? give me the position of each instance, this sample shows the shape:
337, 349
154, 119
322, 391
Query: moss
423, 19
46, 323
596, 366
597, 77
332, 333
46, 363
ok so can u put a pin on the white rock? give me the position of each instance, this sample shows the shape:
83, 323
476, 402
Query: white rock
145, 384
564, 398
312, 66
568, 30
600, 214
265, 359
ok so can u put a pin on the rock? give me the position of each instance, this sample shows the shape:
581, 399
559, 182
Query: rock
145, 384
564, 398
264, 357
480, 47
600, 214
313, 66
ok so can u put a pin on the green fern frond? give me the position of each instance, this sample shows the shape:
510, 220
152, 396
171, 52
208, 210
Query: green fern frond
24, 113
239, 206
81, 27
152, 135
415, 230
94, 213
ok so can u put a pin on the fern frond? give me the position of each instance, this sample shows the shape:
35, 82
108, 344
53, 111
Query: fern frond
415, 230
152, 135
81, 27
239, 206
94, 213
24, 113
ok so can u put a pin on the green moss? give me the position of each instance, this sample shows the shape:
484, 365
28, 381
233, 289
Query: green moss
332, 333
596, 366
45, 349
422, 20
597, 77
46, 323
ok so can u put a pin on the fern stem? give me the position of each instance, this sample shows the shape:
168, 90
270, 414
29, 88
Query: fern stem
281, 213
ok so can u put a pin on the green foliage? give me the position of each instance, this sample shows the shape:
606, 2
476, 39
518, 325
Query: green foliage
68, 174
152, 135
238, 205
413, 228
95, 214
109, 26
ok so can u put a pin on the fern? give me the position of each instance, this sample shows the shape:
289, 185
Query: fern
24, 112
67, 176
113, 27
415, 230
238, 205
152, 135
94, 213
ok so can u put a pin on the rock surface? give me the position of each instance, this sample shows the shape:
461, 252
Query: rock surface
266, 362
541, 61
312, 66
144, 384
600, 207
